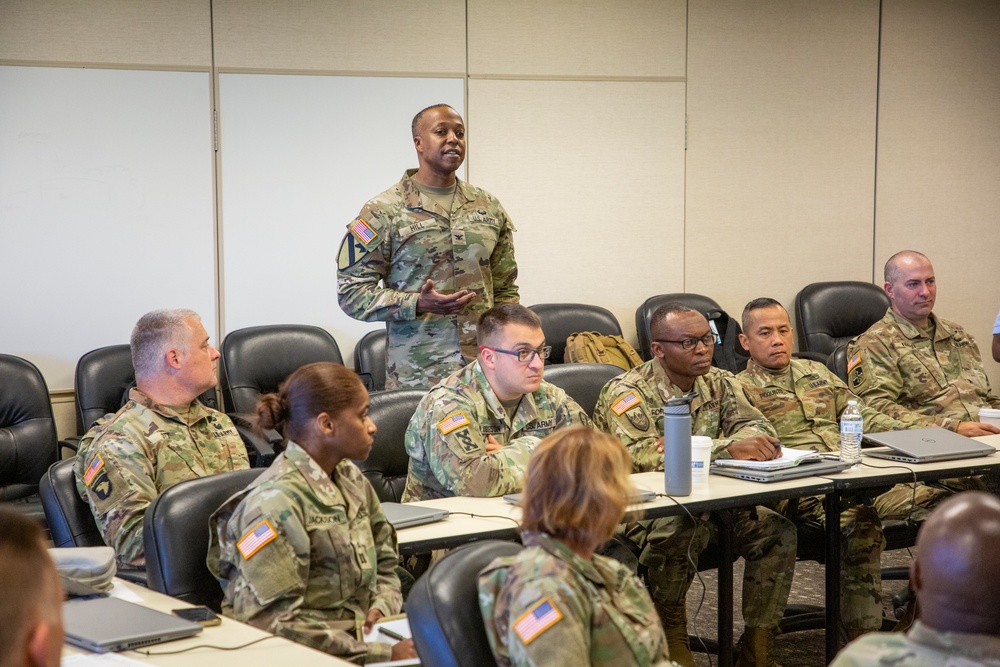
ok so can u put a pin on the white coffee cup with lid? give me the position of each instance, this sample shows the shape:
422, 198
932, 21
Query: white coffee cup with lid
990, 416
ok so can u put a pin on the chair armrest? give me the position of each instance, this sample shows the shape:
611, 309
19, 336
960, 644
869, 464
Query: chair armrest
262, 447
134, 576
71, 443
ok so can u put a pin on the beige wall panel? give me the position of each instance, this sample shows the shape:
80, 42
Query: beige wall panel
781, 147
631, 38
939, 138
151, 33
425, 36
592, 175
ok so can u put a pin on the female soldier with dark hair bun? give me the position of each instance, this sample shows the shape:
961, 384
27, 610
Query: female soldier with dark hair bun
305, 551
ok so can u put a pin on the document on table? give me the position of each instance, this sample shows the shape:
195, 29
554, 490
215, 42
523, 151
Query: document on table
399, 626
789, 458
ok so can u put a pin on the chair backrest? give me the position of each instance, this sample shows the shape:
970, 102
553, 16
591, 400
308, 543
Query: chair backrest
256, 360
71, 523
559, 320
644, 314
175, 535
831, 313
583, 382
102, 377
27, 429
443, 607
369, 357
837, 361
388, 462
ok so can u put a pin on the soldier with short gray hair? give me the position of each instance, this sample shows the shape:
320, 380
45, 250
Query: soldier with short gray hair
161, 436
427, 257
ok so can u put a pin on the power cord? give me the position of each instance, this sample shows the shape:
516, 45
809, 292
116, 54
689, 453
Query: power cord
211, 646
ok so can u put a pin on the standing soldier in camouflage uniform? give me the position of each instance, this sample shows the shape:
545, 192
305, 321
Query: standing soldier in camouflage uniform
557, 602
305, 551
472, 434
956, 573
803, 400
163, 435
443, 251
630, 409
920, 369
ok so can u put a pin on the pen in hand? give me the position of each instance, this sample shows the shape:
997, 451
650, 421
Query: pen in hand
389, 633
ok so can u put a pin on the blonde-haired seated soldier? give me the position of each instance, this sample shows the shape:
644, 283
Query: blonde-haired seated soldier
557, 602
31, 629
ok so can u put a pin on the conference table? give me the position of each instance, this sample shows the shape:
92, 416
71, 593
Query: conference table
268, 653
472, 519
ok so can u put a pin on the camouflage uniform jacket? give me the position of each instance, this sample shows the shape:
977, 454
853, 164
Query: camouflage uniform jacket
446, 437
901, 372
921, 646
631, 409
603, 614
401, 239
804, 402
306, 555
129, 458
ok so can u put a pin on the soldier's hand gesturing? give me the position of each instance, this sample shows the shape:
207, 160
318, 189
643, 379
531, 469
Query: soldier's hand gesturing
431, 301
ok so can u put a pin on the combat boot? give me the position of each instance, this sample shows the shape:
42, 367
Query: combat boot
756, 648
675, 629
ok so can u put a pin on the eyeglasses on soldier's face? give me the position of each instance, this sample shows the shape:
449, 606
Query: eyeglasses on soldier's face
689, 344
524, 356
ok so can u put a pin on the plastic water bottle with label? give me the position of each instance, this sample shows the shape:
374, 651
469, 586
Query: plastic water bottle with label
852, 427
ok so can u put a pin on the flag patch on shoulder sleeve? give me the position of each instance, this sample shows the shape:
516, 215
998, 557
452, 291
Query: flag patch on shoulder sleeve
95, 467
537, 620
258, 536
625, 403
363, 231
449, 424
854, 361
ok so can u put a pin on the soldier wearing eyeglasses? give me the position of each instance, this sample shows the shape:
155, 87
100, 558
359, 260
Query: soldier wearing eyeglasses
473, 433
630, 408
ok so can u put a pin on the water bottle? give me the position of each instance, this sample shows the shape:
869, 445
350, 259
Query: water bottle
852, 427
677, 446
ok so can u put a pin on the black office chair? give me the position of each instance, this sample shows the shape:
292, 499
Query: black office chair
256, 360
369, 359
175, 536
443, 607
559, 320
837, 361
583, 382
71, 523
831, 313
388, 462
27, 435
728, 355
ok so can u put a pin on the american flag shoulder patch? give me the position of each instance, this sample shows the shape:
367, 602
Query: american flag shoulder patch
258, 536
361, 229
449, 424
853, 361
95, 467
537, 620
626, 403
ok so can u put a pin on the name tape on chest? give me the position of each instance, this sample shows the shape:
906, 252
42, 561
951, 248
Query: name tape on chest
537, 620
625, 403
255, 540
449, 424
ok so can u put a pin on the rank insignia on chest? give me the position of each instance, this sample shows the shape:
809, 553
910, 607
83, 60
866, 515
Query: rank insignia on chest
537, 620
255, 540
625, 403
449, 424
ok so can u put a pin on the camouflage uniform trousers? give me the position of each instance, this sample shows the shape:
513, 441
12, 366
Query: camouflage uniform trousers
764, 538
906, 502
861, 548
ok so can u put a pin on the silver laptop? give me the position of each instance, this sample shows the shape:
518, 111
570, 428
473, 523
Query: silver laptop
110, 624
807, 468
403, 515
924, 445
640, 496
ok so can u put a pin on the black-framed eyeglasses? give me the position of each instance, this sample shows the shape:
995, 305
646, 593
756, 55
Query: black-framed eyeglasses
524, 356
689, 344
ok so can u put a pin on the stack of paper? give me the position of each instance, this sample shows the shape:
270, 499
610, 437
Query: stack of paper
789, 458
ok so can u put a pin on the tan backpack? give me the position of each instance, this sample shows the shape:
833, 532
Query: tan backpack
592, 347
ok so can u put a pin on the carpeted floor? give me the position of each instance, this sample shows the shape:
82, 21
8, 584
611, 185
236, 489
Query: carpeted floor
798, 649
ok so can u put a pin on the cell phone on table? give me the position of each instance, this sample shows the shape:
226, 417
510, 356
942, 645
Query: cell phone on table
202, 615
